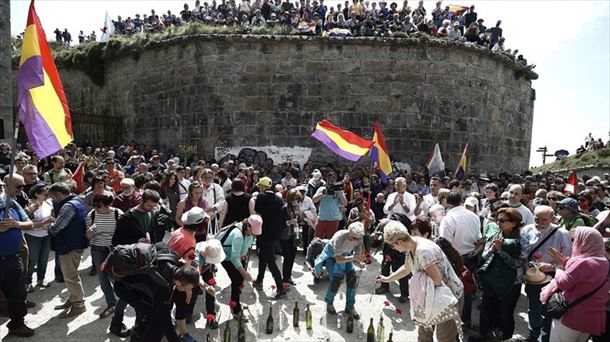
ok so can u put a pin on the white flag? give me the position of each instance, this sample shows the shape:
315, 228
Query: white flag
107, 30
435, 163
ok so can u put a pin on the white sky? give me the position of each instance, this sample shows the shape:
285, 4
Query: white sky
569, 41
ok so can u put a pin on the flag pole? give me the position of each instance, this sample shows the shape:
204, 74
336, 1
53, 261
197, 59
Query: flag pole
9, 184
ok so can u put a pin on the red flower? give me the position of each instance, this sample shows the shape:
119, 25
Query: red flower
212, 281
191, 256
399, 311
273, 287
210, 317
386, 303
241, 287
232, 304
537, 255
285, 284
388, 258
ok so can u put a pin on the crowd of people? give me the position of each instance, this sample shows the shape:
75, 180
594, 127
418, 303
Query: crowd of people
306, 17
453, 240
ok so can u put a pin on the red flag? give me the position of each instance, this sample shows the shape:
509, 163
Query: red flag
572, 183
79, 177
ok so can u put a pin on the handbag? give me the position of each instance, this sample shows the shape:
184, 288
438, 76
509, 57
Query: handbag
558, 306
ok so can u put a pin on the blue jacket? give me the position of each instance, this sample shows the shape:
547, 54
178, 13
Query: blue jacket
73, 236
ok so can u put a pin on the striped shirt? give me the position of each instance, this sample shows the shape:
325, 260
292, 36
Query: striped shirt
105, 224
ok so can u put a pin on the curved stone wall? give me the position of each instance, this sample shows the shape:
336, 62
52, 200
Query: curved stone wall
210, 91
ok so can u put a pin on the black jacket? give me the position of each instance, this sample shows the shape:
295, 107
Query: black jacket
128, 230
269, 207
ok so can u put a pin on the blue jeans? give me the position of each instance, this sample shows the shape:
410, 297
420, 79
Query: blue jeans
336, 278
39, 256
539, 323
99, 254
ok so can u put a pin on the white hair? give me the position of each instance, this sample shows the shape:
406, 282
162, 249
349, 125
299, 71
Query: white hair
127, 182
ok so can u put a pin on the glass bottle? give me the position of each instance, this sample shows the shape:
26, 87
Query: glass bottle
308, 318
380, 330
226, 335
349, 326
370, 333
269, 326
295, 315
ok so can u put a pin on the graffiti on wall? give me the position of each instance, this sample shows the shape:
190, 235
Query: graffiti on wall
263, 156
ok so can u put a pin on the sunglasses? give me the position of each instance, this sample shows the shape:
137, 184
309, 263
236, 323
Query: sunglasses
503, 220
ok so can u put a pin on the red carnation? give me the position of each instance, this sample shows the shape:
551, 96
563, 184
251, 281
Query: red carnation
537, 255
388, 258
191, 256
232, 304
210, 317
273, 287
399, 311
386, 303
212, 281
241, 287
285, 284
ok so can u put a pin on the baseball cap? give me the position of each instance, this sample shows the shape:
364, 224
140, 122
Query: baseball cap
569, 203
265, 181
256, 222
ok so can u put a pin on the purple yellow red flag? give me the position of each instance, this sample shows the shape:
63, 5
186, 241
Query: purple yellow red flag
341, 142
43, 108
380, 155
460, 172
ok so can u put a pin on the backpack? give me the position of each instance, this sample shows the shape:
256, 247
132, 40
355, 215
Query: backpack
116, 216
224, 232
140, 259
589, 220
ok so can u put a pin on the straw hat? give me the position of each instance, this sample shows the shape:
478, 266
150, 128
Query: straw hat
534, 276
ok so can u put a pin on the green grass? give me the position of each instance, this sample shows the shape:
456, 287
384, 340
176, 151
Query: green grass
599, 158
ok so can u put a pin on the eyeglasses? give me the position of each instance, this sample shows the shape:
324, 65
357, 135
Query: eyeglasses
503, 220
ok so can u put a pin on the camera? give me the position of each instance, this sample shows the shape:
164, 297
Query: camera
337, 186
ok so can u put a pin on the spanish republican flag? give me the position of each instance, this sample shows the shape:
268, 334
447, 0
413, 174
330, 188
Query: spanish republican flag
343, 143
43, 108
460, 172
571, 184
379, 154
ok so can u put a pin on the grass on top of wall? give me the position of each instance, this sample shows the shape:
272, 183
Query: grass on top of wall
598, 158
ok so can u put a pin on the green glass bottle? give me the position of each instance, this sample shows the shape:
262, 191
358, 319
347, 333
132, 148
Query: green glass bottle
390, 337
226, 335
349, 326
380, 330
269, 326
241, 331
208, 338
295, 315
370, 333
308, 318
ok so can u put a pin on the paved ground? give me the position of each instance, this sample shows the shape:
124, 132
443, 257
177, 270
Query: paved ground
88, 327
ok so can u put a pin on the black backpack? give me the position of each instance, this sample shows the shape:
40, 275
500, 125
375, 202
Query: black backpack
141, 259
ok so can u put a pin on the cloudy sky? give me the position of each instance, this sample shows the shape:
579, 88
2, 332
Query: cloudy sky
569, 41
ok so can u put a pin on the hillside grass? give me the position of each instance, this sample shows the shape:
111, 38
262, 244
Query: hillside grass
599, 158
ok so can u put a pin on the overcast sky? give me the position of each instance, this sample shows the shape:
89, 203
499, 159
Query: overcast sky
568, 41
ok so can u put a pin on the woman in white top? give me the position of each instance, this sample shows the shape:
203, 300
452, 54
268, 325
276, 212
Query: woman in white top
101, 224
40, 210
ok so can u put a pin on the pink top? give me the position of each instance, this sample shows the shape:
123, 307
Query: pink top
582, 275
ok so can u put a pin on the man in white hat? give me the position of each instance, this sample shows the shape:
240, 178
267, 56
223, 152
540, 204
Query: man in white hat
183, 242
236, 242
545, 239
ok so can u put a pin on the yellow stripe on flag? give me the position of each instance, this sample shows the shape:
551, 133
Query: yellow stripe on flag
31, 48
50, 108
342, 144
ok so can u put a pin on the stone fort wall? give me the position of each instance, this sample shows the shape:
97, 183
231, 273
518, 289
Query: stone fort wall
197, 93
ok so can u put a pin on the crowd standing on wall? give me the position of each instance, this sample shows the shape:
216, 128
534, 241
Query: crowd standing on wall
454, 239
357, 18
